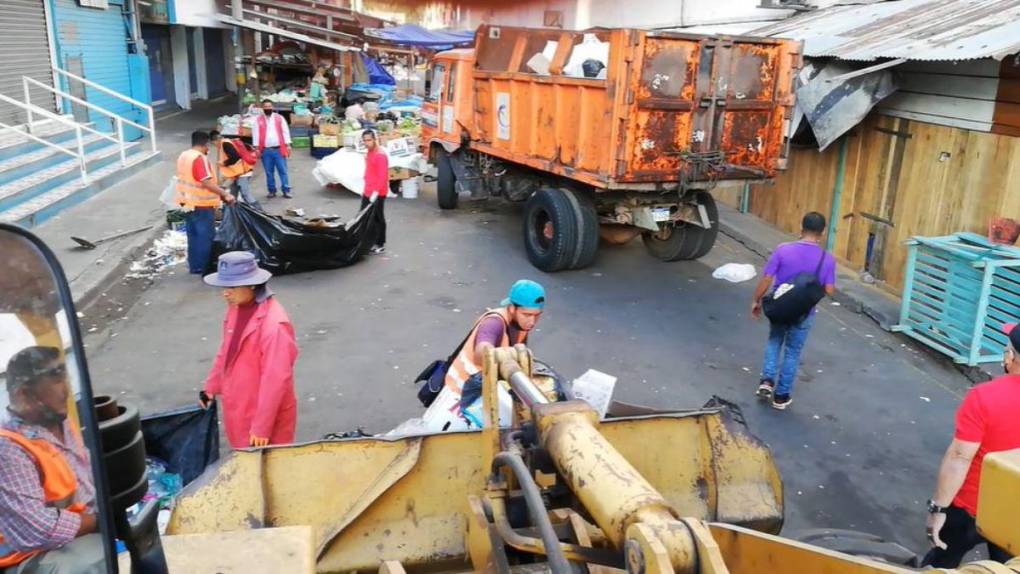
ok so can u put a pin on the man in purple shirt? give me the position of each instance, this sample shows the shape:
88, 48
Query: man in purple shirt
787, 262
39, 535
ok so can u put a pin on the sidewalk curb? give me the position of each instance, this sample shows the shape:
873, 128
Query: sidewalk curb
87, 288
849, 296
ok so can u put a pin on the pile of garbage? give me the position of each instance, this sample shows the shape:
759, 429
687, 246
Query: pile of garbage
168, 250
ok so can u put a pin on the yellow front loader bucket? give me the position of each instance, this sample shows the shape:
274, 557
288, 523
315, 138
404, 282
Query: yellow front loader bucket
371, 500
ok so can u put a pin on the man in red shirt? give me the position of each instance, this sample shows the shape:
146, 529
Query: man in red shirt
377, 185
986, 422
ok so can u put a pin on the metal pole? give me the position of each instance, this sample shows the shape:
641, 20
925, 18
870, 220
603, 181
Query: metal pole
237, 9
152, 129
837, 193
82, 162
120, 136
28, 101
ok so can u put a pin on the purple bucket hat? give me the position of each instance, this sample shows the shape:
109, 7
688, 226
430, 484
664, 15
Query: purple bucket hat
237, 269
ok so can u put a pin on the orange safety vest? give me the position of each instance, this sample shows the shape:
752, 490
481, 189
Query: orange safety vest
190, 192
464, 365
239, 168
58, 482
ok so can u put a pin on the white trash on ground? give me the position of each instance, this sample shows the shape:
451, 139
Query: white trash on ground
735, 272
168, 250
347, 167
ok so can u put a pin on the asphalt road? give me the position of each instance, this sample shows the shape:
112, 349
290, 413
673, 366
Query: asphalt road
858, 449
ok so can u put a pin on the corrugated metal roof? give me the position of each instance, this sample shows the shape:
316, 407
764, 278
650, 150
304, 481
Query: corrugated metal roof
908, 29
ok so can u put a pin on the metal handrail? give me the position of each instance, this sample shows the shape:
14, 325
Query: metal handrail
30, 108
122, 97
118, 120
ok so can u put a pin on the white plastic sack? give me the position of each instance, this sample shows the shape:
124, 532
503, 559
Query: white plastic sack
347, 168
169, 193
595, 388
591, 48
735, 272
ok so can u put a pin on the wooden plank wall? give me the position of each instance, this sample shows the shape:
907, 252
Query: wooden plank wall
925, 179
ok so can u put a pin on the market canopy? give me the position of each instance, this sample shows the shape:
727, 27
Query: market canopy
414, 35
276, 31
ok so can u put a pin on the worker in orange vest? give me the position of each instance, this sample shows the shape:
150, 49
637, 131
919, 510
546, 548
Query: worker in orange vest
236, 162
506, 326
47, 493
199, 195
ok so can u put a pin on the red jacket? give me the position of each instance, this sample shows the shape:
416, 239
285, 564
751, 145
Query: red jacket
377, 174
257, 387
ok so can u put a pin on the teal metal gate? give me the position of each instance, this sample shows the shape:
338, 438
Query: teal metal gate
959, 291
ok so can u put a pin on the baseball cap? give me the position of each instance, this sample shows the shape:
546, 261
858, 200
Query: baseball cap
1014, 335
526, 293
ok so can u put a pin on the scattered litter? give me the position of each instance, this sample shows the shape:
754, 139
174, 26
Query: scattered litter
819, 371
168, 250
745, 369
321, 331
456, 310
311, 399
80, 315
816, 417
821, 487
800, 493
735, 272
93, 329
870, 336
296, 211
395, 367
926, 399
596, 274
835, 304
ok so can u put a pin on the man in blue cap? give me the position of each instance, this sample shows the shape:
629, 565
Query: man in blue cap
503, 327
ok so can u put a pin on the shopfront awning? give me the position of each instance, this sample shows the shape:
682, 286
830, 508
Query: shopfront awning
413, 35
276, 31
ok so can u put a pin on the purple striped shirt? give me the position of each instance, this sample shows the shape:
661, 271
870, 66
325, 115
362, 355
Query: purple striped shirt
26, 521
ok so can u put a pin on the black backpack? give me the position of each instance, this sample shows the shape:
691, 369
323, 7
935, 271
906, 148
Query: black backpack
790, 303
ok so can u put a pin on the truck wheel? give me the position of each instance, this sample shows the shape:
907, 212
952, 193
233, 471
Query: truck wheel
587, 227
685, 241
550, 229
446, 182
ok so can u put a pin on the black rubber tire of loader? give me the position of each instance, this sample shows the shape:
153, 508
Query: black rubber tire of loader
587, 226
550, 209
685, 241
446, 181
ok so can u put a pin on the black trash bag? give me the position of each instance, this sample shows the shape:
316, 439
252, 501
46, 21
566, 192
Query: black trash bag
187, 439
591, 68
284, 245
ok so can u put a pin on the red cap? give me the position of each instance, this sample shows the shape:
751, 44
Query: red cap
1013, 333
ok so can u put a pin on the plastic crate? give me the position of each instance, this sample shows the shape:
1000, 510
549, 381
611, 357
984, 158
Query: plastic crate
958, 292
301, 142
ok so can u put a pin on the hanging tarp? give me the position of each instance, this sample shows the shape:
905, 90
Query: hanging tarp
832, 106
284, 245
376, 73
413, 35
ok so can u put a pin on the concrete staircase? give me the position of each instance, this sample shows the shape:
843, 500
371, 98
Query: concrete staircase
38, 181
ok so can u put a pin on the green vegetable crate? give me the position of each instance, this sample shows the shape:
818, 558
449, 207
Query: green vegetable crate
301, 142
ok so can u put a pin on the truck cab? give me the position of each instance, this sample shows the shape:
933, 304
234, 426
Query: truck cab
446, 113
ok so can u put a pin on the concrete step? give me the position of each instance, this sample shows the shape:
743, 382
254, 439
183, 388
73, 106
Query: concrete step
30, 162
43, 206
14, 143
14, 193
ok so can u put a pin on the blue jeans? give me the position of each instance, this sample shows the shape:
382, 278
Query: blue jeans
200, 226
788, 340
272, 159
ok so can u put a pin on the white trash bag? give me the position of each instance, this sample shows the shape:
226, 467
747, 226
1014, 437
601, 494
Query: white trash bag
735, 272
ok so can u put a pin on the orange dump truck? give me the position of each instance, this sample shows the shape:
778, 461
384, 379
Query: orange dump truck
615, 130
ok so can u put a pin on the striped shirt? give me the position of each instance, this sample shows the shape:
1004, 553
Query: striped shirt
26, 522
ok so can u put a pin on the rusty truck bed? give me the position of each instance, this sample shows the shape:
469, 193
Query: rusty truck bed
672, 108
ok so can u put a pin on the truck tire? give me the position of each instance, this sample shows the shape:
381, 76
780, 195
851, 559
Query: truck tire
685, 241
587, 229
446, 181
550, 229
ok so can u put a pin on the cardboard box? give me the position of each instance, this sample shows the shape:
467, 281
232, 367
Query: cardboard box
301, 121
401, 173
320, 140
329, 129
245, 132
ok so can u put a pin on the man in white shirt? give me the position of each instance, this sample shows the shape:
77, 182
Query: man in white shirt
271, 137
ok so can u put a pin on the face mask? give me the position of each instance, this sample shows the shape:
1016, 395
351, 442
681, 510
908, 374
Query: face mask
49, 416
268, 112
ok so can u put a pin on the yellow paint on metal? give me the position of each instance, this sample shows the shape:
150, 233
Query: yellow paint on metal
998, 501
715, 470
265, 551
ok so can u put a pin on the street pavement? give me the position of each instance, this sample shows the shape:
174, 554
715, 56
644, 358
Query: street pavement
858, 449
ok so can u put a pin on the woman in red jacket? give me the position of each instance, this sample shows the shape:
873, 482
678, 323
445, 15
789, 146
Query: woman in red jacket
254, 370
